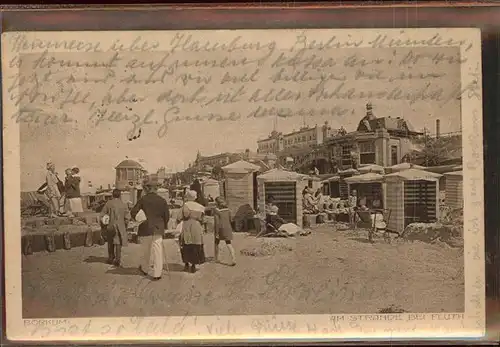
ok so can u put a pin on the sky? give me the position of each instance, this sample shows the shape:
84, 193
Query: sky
97, 149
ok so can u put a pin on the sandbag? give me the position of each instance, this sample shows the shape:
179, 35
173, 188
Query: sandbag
66, 241
89, 238
50, 243
27, 244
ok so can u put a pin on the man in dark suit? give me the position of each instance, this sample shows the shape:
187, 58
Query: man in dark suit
157, 215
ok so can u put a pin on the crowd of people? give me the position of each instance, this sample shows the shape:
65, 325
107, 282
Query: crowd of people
152, 212
63, 197
316, 202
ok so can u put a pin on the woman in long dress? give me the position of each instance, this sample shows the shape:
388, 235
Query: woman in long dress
74, 196
191, 236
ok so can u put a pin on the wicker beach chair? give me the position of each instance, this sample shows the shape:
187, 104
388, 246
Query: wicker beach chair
365, 221
34, 204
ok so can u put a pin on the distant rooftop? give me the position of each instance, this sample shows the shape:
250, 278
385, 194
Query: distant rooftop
129, 164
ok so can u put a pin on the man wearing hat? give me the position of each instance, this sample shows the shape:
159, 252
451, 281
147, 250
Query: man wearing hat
157, 215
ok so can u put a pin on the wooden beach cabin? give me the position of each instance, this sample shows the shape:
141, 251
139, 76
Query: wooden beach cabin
330, 185
211, 188
286, 187
369, 186
412, 196
343, 188
454, 196
240, 185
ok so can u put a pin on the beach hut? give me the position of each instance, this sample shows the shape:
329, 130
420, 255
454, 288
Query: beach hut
454, 197
330, 185
211, 188
286, 187
343, 188
240, 185
412, 196
369, 186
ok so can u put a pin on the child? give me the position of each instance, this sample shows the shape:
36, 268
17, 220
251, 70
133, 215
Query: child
223, 231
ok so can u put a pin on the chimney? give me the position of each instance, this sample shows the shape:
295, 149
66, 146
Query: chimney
369, 111
438, 128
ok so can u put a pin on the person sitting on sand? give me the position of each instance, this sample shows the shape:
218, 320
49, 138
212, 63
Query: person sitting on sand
282, 227
273, 218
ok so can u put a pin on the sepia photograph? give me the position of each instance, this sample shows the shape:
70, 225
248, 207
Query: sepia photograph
223, 176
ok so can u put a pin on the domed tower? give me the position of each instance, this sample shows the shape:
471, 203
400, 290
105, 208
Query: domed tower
129, 174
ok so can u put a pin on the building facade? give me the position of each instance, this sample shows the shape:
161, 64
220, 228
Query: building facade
380, 141
271, 144
221, 159
304, 137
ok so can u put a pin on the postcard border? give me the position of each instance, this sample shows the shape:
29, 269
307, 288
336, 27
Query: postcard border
473, 325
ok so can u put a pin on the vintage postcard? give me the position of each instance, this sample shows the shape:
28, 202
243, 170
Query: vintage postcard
243, 184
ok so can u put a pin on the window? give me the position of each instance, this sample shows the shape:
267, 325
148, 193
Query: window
337, 151
346, 155
394, 155
130, 174
366, 153
122, 174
